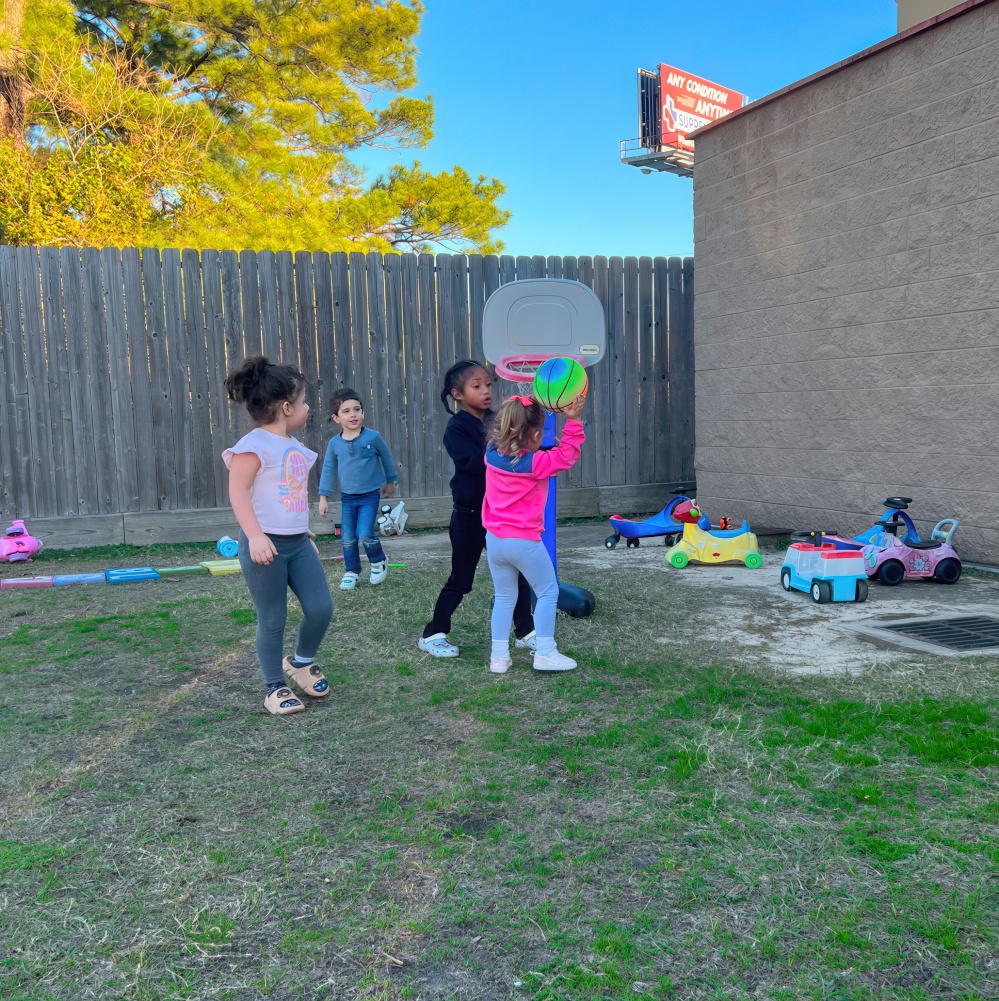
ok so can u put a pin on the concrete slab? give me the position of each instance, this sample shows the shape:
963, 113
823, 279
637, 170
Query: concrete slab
746, 614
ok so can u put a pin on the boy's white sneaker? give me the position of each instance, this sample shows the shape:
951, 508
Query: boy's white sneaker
528, 642
349, 581
553, 661
438, 645
379, 571
499, 665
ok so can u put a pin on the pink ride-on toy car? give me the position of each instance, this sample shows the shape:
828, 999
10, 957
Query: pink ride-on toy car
890, 558
17, 546
663, 523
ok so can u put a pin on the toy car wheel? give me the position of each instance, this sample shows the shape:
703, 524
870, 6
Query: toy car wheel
671, 540
785, 578
948, 571
634, 543
891, 572
821, 592
753, 560
862, 590
612, 540
679, 559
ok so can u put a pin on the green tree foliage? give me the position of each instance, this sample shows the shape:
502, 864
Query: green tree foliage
224, 123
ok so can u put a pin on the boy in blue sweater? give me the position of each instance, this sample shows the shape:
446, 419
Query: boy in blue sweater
367, 471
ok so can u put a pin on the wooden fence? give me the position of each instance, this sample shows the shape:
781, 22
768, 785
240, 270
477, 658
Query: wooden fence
112, 398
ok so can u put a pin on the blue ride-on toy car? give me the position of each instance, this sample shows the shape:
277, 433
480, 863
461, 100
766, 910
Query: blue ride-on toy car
661, 524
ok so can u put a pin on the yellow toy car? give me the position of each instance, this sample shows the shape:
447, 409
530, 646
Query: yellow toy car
704, 544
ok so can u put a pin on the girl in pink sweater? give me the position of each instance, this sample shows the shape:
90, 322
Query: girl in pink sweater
513, 515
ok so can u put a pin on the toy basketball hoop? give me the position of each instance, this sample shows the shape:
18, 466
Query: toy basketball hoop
523, 368
525, 323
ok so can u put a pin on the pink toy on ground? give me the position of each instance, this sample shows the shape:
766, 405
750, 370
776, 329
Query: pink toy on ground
17, 546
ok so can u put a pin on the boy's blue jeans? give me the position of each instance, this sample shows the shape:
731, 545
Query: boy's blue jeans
357, 522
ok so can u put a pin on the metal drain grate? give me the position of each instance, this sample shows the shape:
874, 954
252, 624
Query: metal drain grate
972, 632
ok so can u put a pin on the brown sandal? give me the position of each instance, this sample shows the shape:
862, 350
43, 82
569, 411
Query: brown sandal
309, 678
282, 702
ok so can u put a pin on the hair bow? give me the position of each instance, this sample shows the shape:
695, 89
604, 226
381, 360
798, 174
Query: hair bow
527, 401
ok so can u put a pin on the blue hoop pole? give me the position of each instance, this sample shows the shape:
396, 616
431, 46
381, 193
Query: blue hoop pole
551, 506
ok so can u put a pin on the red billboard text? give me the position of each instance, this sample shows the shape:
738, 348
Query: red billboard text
688, 102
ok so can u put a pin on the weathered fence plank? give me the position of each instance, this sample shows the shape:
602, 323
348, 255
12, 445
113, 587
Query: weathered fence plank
413, 348
216, 409
305, 299
250, 303
57, 368
632, 386
677, 366
159, 381
581, 269
601, 376
377, 406
42, 479
359, 343
138, 367
397, 412
616, 366
235, 349
203, 455
180, 391
15, 448
122, 426
79, 382
684, 413
341, 320
660, 306
112, 394
322, 282
284, 268
433, 422
270, 331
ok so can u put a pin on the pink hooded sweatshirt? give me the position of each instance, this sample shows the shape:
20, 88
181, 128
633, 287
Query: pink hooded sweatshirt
516, 493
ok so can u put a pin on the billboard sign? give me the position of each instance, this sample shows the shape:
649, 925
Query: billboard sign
688, 102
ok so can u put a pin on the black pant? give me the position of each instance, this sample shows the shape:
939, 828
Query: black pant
468, 539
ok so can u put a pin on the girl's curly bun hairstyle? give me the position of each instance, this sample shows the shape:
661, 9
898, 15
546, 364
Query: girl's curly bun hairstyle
262, 386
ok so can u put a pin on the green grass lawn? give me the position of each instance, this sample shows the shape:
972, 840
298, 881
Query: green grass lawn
649, 826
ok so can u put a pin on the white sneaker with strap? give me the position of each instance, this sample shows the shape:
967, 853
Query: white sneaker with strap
379, 571
349, 581
553, 661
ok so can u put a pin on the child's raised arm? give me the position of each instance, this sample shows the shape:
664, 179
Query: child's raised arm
564, 455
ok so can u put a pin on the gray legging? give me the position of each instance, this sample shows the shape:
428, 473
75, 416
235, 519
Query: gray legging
296, 566
507, 558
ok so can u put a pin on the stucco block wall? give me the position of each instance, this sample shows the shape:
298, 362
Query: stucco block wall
847, 311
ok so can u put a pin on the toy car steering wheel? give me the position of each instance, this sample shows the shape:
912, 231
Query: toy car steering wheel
899, 503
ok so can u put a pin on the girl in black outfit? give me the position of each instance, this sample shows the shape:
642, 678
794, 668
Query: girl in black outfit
469, 384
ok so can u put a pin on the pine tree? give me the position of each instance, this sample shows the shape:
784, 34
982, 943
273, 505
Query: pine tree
223, 123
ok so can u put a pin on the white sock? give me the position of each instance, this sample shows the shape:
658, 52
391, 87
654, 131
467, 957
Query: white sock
546, 645
501, 648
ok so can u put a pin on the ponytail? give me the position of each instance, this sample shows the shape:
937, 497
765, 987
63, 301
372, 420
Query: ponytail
455, 378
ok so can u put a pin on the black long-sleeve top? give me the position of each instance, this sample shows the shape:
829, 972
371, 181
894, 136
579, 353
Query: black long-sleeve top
465, 441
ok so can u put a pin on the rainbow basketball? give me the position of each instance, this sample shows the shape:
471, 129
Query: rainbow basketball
558, 382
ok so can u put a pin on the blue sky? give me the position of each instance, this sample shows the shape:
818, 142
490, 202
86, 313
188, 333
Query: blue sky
538, 93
